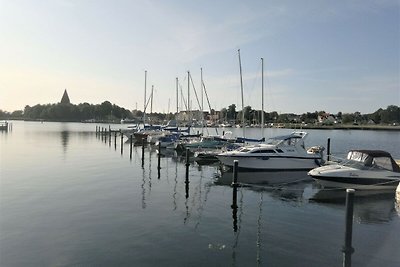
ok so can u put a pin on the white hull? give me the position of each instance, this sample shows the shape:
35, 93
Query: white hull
339, 176
355, 185
271, 163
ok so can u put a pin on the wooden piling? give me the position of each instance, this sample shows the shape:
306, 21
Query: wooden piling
159, 157
143, 152
328, 150
187, 164
122, 144
347, 248
235, 183
115, 140
130, 146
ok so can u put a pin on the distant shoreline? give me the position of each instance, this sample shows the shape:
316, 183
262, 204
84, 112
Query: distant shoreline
353, 127
280, 125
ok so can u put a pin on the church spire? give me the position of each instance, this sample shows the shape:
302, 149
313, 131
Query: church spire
65, 98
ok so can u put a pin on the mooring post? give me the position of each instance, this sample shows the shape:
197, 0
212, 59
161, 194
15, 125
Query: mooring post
96, 129
105, 135
115, 140
122, 143
235, 183
328, 150
347, 248
109, 131
143, 152
187, 165
130, 146
159, 156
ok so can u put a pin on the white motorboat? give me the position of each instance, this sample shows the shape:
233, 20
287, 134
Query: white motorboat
363, 169
281, 153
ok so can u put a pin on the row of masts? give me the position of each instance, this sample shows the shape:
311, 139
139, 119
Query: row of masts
188, 106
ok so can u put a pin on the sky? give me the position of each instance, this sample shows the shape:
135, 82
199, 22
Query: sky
318, 55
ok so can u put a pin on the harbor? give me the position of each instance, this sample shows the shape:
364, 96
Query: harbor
84, 198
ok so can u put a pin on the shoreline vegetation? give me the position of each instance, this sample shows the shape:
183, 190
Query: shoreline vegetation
279, 125
383, 119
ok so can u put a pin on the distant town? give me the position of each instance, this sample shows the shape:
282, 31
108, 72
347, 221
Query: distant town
226, 117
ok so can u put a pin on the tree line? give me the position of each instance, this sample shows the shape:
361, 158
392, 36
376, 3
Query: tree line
389, 115
111, 112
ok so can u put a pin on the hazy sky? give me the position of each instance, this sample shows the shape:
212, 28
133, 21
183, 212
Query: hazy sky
318, 55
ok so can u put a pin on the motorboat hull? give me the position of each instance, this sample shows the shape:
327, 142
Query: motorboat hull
338, 176
357, 182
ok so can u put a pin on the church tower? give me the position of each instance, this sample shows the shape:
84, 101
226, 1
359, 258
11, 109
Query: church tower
65, 98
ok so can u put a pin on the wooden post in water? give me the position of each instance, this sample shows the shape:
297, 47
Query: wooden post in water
122, 143
159, 156
235, 183
187, 173
234, 205
130, 146
347, 248
115, 140
143, 152
187, 164
328, 150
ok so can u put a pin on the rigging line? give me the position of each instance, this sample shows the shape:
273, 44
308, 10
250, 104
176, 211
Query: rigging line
195, 92
208, 102
183, 96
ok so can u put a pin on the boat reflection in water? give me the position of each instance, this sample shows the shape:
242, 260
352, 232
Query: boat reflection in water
263, 178
370, 206
378, 206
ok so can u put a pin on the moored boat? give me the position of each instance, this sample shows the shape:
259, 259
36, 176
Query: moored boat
363, 169
281, 153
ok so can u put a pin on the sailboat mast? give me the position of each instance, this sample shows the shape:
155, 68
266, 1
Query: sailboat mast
188, 100
241, 89
202, 106
262, 96
151, 103
177, 97
144, 107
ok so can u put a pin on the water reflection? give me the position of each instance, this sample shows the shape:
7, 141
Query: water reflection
263, 178
370, 207
64, 139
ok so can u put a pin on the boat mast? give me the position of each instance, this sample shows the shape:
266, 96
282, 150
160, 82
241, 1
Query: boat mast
144, 107
202, 106
241, 88
262, 96
188, 100
151, 102
177, 98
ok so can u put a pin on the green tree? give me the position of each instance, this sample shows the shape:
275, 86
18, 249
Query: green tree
232, 112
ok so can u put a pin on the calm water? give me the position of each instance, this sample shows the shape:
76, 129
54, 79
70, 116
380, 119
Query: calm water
67, 198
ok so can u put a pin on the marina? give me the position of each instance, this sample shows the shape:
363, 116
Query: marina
80, 194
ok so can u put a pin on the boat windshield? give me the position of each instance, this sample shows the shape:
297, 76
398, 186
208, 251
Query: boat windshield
243, 149
378, 163
289, 141
382, 163
274, 141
